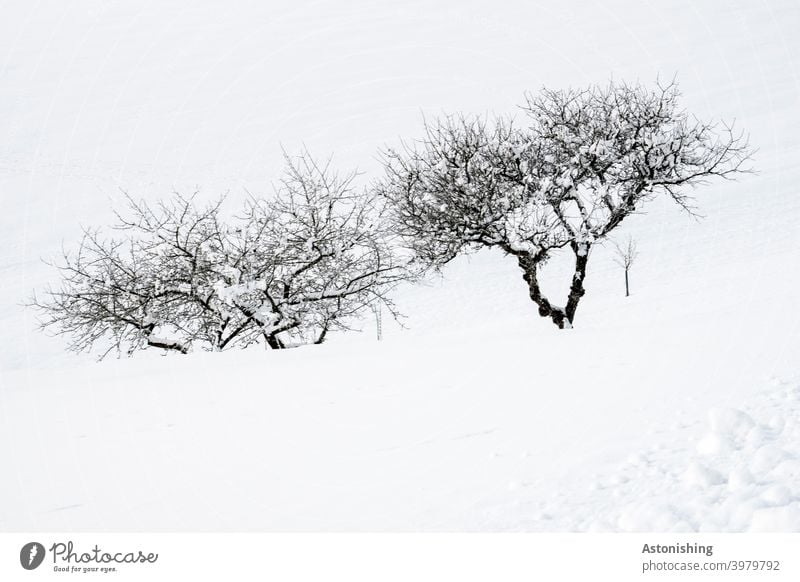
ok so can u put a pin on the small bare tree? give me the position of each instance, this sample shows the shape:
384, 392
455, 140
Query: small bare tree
587, 160
625, 255
285, 272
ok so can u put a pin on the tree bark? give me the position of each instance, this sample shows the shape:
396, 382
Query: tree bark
529, 266
576, 289
274, 342
562, 318
168, 345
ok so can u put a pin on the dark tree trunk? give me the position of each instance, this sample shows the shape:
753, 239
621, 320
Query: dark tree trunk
321, 338
274, 342
168, 345
560, 317
529, 266
627, 289
576, 289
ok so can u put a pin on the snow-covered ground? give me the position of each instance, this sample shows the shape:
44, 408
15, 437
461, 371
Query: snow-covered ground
675, 409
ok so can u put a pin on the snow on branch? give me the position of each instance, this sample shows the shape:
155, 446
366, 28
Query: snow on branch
583, 161
288, 270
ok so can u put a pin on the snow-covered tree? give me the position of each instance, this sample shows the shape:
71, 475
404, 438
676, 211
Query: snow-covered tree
586, 160
286, 271
331, 252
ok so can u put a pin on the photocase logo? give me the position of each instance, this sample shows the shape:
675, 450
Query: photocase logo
31, 555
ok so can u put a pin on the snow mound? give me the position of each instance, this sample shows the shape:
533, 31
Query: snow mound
744, 475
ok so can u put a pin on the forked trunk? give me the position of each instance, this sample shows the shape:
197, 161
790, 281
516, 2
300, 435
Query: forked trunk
561, 317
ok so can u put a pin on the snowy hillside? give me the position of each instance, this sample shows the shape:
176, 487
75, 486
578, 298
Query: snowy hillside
675, 409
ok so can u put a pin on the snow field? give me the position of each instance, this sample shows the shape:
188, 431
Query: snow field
657, 412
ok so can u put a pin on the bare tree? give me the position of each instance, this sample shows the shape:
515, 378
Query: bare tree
286, 271
588, 159
625, 256
335, 248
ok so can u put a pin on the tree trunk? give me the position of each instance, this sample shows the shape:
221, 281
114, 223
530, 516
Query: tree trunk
576, 289
168, 345
529, 265
627, 289
274, 342
321, 338
563, 318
